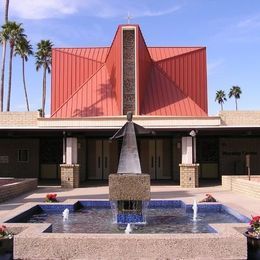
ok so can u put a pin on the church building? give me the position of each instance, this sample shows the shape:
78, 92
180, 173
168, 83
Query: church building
92, 89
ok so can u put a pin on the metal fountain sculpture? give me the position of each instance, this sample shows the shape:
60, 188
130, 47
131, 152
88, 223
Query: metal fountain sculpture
129, 188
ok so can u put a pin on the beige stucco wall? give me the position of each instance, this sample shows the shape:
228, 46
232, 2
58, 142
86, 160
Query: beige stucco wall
242, 185
226, 118
9, 147
240, 118
18, 119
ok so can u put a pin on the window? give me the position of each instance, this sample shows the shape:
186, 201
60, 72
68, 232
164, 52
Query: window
23, 155
207, 150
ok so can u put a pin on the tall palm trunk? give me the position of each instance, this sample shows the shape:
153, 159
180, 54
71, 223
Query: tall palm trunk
44, 90
221, 106
10, 78
2, 78
24, 86
236, 103
6, 10
3, 61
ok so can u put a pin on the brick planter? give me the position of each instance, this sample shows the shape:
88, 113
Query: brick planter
241, 184
189, 175
16, 187
69, 175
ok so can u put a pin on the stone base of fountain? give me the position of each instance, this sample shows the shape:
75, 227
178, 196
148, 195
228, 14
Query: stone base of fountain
129, 187
128, 195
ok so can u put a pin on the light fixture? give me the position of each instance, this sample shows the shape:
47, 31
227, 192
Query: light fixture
193, 133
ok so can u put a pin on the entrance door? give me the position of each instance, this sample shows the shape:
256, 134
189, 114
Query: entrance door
51, 158
156, 158
101, 160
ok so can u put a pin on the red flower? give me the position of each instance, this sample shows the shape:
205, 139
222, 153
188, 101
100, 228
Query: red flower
4, 232
255, 220
2, 228
51, 197
254, 229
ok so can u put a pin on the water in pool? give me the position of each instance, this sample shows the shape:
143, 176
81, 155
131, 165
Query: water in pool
159, 220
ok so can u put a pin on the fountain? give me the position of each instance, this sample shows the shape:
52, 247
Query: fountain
129, 188
195, 209
129, 193
128, 229
65, 214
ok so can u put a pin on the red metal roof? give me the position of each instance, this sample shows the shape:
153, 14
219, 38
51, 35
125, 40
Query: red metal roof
88, 81
95, 97
161, 53
165, 98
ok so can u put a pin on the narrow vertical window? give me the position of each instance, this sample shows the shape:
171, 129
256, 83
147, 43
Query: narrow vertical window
23, 155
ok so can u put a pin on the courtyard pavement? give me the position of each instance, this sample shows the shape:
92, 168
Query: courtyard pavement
242, 203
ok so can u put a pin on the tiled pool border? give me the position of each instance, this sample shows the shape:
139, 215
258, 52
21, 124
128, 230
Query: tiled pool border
32, 240
59, 208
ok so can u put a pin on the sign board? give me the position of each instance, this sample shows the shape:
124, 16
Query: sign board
4, 159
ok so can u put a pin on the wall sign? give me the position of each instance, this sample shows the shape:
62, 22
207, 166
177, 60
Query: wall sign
239, 153
4, 159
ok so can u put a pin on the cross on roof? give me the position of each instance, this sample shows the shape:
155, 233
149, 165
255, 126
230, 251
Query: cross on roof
129, 17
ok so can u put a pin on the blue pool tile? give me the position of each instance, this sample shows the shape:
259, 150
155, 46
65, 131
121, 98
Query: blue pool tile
24, 214
95, 203
164, 204
57, 208
216, 207
129, 218
235, 213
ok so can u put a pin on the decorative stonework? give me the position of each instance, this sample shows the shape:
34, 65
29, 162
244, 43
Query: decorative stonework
128, 71
69, 175
189, 175
129, 187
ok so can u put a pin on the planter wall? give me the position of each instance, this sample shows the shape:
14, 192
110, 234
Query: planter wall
253, 247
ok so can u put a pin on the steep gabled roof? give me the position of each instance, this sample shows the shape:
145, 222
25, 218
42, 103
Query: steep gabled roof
88, 81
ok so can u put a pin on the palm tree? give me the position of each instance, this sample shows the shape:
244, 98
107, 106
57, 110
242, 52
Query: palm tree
43, 59
12, 32
23, 48
6, 10
3, 42
235, 92
220, 97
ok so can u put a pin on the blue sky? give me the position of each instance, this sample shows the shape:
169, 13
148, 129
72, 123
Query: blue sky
230, 29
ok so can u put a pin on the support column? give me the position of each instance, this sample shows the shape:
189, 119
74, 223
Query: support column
70, 168
189, 169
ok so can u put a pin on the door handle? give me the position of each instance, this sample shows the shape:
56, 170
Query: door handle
105, 162
98, 161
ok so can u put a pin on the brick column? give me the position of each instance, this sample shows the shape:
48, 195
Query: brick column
189, 175
69, 175
189, 171
70, 168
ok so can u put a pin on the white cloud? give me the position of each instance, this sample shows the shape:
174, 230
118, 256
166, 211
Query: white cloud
249, 23
158, 13
243, 30
44, 9
214, 65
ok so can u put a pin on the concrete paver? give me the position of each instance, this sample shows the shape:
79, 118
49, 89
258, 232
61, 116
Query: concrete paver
242, 203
